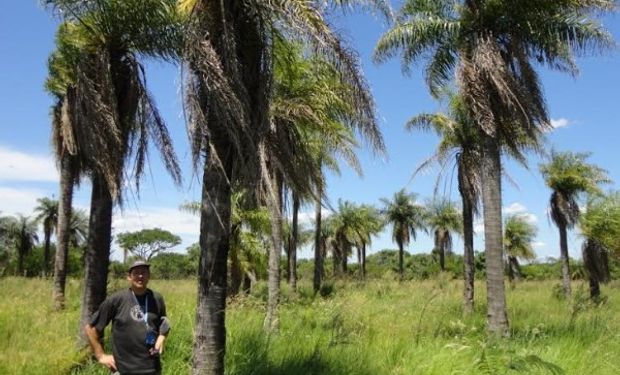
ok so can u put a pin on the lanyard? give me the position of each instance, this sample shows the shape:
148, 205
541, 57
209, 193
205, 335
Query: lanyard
146, 306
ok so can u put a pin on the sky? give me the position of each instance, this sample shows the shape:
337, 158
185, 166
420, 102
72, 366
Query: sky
584, 111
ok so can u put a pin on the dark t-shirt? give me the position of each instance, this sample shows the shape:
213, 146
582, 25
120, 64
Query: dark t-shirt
129, 330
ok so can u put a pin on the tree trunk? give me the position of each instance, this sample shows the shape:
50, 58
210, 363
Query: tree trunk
210, 331
97, 252
468, 256
442, 252
318, 258
344, 257
46, 251
293, 249
359, 261
363, 265
401, 251
497, 319
62, 232
336, 260
271, 323
564, 261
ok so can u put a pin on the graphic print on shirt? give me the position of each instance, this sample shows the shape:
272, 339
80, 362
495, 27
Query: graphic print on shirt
136, 313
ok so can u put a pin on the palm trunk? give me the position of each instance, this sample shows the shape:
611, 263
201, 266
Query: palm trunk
401, 251
346, 249
46, 251
442, 253
468, 256
497, 319
293, 250
97, 252
359, 261
564, 261
363, 265
336, 260
318, 256
271, 323
62, 232
210, 331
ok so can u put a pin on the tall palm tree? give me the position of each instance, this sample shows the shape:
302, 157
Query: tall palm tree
21, 232
406, 217
61, 84
600, 227
443, 219
568, 175
459, 143
492, 46
47, 214
229, 54
518, 237
113, 113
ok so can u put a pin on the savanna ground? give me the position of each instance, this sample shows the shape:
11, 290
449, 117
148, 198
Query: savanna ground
377, 327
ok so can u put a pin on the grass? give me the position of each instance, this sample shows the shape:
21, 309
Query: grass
378, 327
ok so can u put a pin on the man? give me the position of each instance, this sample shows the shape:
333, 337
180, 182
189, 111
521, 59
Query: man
139, 326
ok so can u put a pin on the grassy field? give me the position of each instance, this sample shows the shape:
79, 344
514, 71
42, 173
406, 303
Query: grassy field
379, 327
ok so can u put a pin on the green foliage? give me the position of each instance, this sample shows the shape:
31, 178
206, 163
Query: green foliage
601, 221
147, 243
518, 237
173, 266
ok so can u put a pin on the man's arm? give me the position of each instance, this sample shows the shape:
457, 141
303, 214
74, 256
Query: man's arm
93, 339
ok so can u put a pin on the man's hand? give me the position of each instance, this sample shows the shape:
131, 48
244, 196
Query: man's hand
108, 361
159, 344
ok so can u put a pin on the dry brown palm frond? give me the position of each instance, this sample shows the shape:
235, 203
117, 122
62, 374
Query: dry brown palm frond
595, 260
99, 132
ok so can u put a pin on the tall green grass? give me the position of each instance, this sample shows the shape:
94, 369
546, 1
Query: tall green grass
378, 327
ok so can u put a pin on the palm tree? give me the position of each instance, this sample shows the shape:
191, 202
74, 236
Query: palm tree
459, 143
568, 175
78, 228
518, 237
347, 226
371, 223
406, 217
47, 214
229, 54
443, 218
492, 46
113, 114
60, 83
249, 226
600, 227
21, 233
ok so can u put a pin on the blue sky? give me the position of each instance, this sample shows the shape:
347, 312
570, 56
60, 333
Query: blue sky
585, 111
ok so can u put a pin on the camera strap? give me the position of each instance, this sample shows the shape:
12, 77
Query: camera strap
145, 313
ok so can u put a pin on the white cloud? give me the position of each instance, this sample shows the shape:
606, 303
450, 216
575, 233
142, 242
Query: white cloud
538, 244
514, 208
19, 166
559, 123
309, 216
22, 201
519, 209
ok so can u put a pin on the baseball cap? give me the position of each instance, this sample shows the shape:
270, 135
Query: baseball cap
138, 263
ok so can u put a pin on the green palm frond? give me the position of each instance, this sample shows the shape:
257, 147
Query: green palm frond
518, 237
